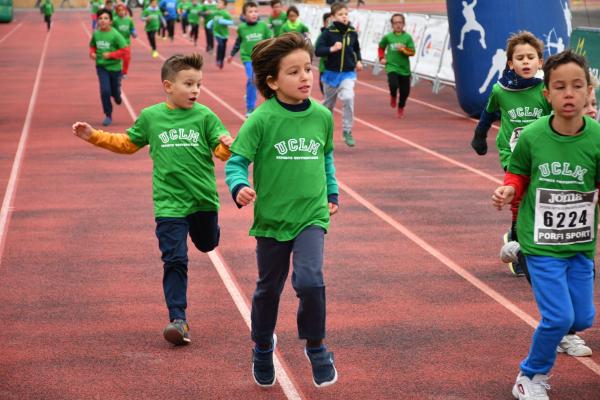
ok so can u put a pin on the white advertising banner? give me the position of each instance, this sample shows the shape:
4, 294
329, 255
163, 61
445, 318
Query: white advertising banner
432, 47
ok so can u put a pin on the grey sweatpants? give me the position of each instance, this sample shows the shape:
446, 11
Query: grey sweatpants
346, 94
273, 259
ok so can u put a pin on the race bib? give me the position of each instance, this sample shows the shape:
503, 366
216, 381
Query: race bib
564, 216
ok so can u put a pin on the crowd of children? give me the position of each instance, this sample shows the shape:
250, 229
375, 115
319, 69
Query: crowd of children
552, 156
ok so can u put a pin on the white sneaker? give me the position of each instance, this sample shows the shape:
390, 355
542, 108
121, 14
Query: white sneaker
531, 389
574, 346
509, 252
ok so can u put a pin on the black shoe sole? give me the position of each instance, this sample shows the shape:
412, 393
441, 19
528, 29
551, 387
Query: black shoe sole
175, 337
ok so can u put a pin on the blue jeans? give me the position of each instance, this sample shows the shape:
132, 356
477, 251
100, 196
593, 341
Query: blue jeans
273, 259
172, 233
564, 293
250, 87
221, 48
110, 85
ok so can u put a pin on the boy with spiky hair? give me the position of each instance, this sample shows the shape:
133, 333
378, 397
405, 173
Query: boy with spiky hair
339, 43
555, 169
182, 135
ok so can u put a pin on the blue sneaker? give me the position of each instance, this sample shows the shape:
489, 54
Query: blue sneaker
323, 370
263, 370
107, 121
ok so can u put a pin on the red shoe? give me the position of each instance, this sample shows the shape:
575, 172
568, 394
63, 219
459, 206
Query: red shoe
393, 102
400, 112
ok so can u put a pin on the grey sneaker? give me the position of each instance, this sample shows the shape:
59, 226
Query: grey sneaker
348, 139
177, 332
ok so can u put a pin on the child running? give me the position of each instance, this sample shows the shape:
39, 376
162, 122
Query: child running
277, 17
47, 9
293, 24
208, 8
220, 24
124, 25
171, 14
339, 43
555, 169
394, 50
182, 136
95, 5
519, 98
249, 34
154, 20
107, 48
194, 20
289, 138
183, 8
326, 22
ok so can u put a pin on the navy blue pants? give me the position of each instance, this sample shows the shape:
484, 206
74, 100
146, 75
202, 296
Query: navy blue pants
221, 48
273, 259
110, 85
172, 233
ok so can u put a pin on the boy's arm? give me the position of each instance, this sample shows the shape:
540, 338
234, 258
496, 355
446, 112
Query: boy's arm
519, 182
409, 49
322, 48
115, 142
504, 151
236, 46
356, 48
236, 175
332, 186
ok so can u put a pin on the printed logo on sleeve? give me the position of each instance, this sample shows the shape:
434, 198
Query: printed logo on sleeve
564, 217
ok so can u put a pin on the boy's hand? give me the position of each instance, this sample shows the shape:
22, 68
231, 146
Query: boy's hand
337, 46
383, 61
226, 140
503, 195
359, 66
400, 46
333, 208
245, 196
229, 59
83, 130
93, 56
105, 56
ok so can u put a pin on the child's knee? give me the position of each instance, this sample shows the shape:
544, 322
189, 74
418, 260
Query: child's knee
208, 242
583, 322
346, 95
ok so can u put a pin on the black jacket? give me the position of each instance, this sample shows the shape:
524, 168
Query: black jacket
344, 59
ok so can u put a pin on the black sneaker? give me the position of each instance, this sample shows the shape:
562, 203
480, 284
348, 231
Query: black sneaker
263, 369
323, 370
177, 332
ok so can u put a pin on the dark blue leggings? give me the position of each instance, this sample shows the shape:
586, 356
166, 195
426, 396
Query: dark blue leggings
110, 85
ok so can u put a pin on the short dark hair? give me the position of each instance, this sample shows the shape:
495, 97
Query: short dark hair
523, 37
275, 2
180, 62
267, 55
397, 15
104, 11
293, 9
335, 7
326, 16
247, 5
565, 57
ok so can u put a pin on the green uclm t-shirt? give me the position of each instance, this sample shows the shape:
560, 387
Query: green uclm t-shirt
277, 22
396, 61
193, 14
181, 144
288, 151
152, 18
518, 108
218, 29
106, 42
558, 214
295, 27
124, 26
250, 35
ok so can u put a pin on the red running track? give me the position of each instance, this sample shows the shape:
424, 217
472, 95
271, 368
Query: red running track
419, 306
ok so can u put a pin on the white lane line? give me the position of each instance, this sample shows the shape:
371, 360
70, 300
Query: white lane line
11, 32
229, 281
11, 187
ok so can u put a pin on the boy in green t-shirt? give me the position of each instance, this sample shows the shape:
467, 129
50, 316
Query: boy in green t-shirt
220, 24
277, 17
249, 34
182, 136
107, 49
555, 169
289, 138
154, 19
394, 50
124, 24
47, 8
194, 20
518, 98
293, 24
208, 8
